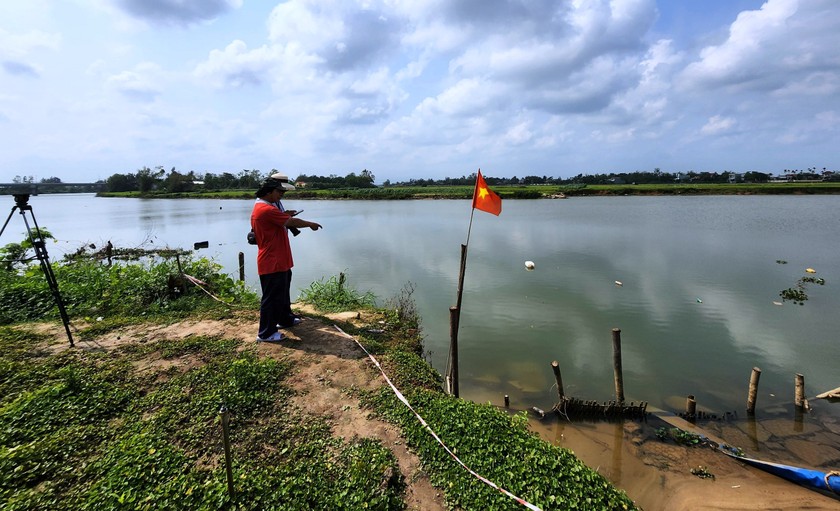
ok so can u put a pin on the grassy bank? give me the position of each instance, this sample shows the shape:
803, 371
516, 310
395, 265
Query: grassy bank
130, 418
514, 192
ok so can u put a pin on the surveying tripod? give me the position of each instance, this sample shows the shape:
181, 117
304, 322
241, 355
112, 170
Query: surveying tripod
37, 241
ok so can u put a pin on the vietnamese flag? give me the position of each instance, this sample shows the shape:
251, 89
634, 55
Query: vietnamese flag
484, 198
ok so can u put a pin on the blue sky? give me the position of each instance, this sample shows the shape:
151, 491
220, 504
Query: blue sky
417, 88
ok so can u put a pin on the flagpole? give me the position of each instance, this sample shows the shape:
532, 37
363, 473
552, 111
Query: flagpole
455, 312
464, 262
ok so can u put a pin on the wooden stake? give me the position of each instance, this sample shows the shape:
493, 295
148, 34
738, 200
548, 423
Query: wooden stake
555, 368
799, 392
242, 266
226, 441
756, 374
619, 378
690, 406
454, 320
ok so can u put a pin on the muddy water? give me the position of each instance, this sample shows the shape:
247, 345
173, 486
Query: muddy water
657, 474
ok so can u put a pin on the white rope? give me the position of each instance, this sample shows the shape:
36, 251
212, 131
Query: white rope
431, 431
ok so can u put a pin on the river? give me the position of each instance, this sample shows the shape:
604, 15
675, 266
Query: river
697, 305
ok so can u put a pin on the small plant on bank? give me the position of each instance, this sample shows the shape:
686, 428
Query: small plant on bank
402, 310
680, 436
703, 473
16, 255
334, 295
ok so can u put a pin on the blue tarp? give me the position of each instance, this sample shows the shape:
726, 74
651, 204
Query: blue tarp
814, 479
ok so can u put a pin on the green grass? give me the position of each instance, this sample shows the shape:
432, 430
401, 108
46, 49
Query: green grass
84, 430
491, 442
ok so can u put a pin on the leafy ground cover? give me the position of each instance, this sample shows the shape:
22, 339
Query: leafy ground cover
131, 417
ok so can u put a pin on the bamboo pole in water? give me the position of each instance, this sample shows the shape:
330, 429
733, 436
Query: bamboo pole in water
753, 392
619, 378
799, 392
690, 407
555, 368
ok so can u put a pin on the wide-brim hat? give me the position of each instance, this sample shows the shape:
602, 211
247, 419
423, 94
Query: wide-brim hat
283, 180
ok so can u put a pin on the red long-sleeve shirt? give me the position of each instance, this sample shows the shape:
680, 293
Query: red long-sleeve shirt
269, 224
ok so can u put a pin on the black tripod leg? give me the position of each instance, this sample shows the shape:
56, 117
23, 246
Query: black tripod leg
46, 267
7, 220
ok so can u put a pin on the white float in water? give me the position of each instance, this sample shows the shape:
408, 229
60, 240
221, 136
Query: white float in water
529, 265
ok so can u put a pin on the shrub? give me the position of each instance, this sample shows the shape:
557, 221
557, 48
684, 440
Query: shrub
334, 295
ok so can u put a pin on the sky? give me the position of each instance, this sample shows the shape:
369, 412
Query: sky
417, 89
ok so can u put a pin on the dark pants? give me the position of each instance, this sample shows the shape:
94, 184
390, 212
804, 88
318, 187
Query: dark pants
275, 305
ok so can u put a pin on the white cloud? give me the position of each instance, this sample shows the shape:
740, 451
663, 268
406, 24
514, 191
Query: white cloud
519, 134
141, 84
236, 66
717, 125
768, 48
19, 45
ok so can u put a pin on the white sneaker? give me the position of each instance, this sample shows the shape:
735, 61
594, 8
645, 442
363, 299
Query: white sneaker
275, 337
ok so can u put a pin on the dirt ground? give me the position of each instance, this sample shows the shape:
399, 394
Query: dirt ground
657, 475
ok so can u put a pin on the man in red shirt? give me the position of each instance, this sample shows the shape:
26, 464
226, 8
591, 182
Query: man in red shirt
274, 257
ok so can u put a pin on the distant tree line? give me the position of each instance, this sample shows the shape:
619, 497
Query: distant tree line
639, 177
364, 179
147, 180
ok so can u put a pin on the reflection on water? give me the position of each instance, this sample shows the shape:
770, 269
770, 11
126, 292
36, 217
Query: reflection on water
699, 278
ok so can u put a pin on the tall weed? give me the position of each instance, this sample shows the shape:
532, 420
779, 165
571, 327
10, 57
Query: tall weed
334, 295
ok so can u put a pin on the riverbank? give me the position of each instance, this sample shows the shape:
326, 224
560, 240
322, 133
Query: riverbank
326, 388
131, 417
511, 192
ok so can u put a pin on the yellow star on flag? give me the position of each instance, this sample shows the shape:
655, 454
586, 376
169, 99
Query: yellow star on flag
484, 198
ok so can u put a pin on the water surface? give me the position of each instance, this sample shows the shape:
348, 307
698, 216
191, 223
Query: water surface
696, 306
